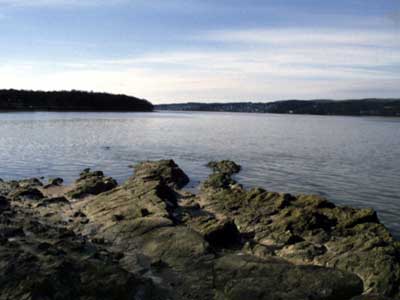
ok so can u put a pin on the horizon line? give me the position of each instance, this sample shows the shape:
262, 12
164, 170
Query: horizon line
197, 101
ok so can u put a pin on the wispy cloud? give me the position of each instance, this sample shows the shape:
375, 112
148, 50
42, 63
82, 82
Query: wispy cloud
263, 65
38, 3
155, 4
290, 36
293, 54
173, 86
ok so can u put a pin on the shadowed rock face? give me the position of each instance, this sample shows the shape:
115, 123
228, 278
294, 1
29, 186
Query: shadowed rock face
4, 204
149, 239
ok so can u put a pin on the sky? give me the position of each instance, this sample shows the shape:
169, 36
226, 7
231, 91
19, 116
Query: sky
170, 51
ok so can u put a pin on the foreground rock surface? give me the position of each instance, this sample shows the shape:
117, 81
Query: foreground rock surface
150, 239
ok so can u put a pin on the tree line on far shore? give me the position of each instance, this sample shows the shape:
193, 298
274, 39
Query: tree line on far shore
24, 100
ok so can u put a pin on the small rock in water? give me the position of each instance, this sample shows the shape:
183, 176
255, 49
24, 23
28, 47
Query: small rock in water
225, 166
56, 181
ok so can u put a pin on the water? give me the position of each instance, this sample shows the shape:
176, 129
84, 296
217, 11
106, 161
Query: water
351, 160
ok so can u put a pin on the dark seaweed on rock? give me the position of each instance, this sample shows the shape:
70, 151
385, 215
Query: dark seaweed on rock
149, 239
22, 100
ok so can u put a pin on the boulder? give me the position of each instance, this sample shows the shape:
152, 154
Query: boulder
91, 183
224, 166
218, 181
165, 170
54, 182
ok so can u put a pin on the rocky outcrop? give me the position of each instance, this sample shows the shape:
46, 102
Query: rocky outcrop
91, 183
309, 230
149, 239
41, 259
165, 171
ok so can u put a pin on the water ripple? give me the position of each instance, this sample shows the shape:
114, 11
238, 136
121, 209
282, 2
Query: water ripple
352, 161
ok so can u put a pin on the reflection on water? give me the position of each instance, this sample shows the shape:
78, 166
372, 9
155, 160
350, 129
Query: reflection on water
351, 160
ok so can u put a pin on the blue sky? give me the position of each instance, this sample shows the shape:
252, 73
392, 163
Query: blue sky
203, 50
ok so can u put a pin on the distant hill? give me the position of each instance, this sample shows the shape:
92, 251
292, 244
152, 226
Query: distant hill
22, 100
362, 107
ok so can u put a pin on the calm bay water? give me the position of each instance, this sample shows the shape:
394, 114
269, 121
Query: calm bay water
351, 160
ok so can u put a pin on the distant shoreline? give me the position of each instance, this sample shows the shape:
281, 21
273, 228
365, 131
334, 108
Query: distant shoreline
74, 111
362, 107
262, 113
71, 101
